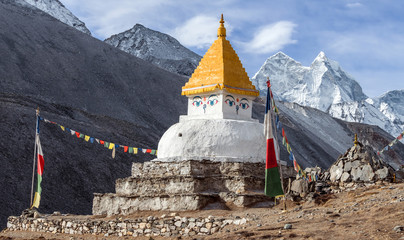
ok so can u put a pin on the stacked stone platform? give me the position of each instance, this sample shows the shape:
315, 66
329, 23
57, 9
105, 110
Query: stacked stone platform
184, 186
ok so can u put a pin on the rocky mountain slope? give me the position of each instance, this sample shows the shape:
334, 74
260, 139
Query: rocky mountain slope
325, 86
57, 10
158, 48
94, 88
81, 83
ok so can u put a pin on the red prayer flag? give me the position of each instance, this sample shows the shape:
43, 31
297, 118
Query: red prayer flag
125, 148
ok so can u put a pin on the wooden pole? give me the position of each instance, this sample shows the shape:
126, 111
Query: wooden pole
35, 148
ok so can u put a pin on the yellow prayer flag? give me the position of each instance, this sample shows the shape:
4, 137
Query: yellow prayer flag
134, 150
111, 145
63, 128
86, 138
37, 199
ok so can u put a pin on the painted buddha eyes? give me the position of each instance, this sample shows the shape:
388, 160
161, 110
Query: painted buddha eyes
212, 100
244, 103
230, 100
197, 101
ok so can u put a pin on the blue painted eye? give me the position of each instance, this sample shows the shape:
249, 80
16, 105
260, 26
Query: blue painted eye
229, 102
197, 103
212, 102
244, 105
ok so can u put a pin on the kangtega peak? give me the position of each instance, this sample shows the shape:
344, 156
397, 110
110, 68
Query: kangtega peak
156, 47
325, 86
57, 10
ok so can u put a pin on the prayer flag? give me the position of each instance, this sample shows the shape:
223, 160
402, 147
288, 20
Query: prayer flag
72, 132
144, 150
91, 139
148, 150
113, 151
135, 150
106, 144
78, 134
130, 149
111, 146
125, 148
63, 128
81, 135
40, 168
86, 138
273, 186
153, 152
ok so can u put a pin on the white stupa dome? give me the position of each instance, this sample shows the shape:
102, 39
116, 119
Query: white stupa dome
213, 139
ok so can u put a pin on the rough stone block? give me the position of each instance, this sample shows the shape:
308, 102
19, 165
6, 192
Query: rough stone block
345, 177
336, 172
382, 173
367, 173
347, 166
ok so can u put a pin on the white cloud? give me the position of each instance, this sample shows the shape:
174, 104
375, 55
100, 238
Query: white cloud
271, 38
354, 5
199, 31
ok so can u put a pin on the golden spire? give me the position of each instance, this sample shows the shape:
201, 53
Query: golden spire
220, 68
221, 32
356, 140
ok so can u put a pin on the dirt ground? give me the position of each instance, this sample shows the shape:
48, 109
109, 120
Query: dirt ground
365, 213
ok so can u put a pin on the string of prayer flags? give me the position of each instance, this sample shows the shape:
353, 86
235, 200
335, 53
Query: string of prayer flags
109, 145
285, 141
391, 144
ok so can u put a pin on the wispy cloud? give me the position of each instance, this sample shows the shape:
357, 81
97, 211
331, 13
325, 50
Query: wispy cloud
272, 37
354, 5
199, 31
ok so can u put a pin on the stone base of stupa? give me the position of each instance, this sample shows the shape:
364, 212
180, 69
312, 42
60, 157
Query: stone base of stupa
186, 185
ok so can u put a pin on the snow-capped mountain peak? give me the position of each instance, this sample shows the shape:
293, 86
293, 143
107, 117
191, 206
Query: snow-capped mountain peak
156, 47
322, 84
57, 10
321, 57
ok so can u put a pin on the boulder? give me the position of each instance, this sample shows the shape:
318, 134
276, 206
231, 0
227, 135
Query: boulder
382, 173
367, 173
300, 186
345, 177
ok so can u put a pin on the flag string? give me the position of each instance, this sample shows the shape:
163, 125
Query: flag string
106, 144
391, 144
285, 142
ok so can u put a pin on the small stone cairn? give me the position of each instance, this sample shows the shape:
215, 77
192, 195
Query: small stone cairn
359, 164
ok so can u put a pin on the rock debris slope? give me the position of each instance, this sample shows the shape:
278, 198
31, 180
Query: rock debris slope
158, 48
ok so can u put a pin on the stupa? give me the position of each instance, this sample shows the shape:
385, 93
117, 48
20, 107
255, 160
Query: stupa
218, 126
214, 155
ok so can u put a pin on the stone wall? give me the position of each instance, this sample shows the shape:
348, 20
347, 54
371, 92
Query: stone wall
168, 226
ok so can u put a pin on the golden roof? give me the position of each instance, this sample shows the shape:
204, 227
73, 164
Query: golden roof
220, 68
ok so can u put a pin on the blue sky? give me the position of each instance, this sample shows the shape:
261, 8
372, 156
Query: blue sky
365, 37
